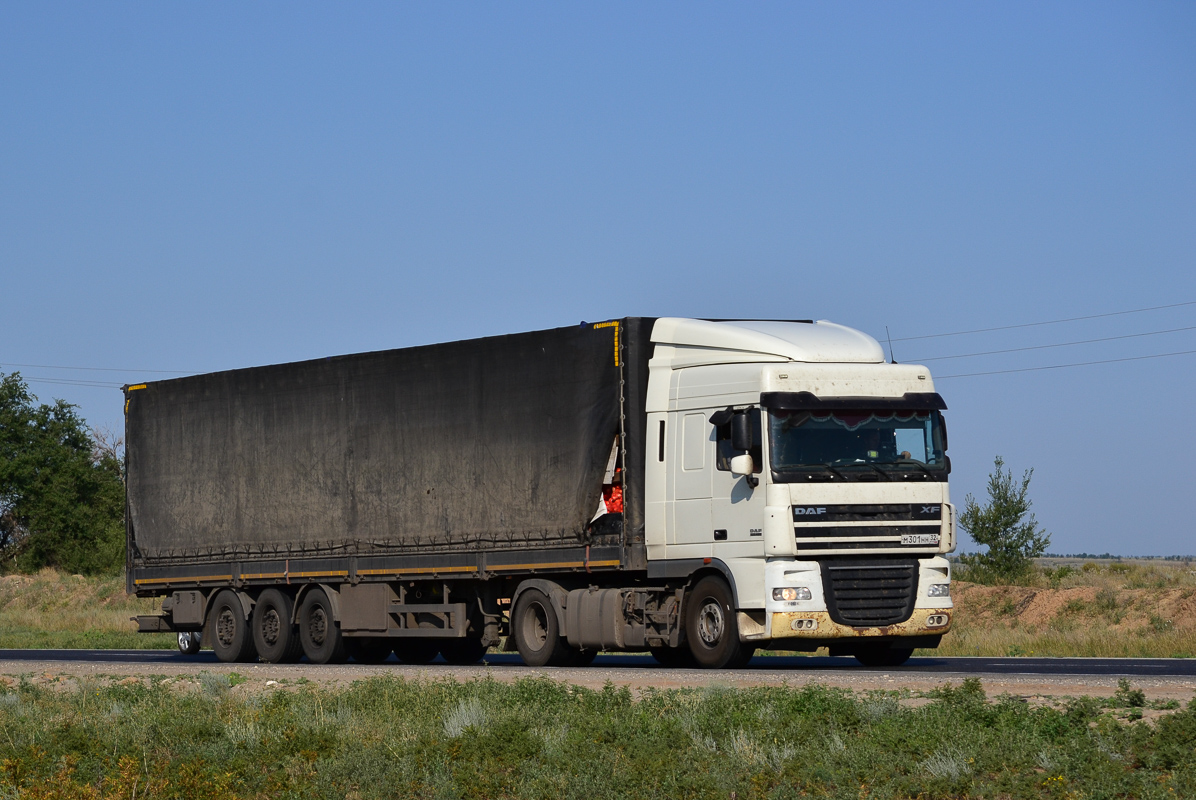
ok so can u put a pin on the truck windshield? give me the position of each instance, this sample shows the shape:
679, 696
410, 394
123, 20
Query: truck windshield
857, 445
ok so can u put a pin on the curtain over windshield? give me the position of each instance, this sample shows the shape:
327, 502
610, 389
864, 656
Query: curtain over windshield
897, 444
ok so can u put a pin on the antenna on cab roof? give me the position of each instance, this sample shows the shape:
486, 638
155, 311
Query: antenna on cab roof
890, 338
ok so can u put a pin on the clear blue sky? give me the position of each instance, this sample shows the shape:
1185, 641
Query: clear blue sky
197, 187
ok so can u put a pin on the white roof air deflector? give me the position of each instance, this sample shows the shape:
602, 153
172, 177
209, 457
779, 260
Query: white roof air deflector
820, 341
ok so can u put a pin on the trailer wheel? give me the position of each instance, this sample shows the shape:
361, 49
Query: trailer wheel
711, 628
231, 638
537, 632
318, 631
463, 651
883, 656
274, 635
189, 642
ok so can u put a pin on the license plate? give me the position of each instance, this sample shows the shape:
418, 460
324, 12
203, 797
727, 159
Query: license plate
920, 538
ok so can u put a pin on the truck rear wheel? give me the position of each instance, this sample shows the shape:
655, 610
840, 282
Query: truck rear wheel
711, 628
274, 633
318, 631
537, 632
231, 638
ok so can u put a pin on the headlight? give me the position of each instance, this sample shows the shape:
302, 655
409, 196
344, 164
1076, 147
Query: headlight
938, 590
792, 593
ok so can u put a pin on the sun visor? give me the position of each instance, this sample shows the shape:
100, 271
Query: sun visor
807, 401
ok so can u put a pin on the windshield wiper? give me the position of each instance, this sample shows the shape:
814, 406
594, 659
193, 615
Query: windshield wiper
902, 465
826, 467
888, 477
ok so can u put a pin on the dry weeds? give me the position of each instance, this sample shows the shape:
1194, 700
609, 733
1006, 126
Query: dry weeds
55, 609
1112, 609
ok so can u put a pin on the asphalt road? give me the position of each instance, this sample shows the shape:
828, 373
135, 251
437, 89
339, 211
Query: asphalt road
922, 667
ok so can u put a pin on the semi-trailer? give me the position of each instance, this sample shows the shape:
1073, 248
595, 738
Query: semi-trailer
695, 488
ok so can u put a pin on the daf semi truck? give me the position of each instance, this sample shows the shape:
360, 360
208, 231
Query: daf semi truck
693, 488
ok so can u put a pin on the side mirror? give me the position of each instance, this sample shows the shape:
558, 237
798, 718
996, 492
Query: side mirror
741, 432
742, 465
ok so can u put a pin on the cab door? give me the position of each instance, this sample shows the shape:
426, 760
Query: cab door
737, 507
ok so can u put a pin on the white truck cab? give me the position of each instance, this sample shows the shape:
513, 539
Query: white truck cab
812, 473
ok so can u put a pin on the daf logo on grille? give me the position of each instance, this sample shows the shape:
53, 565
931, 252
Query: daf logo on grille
811, 510
930, 509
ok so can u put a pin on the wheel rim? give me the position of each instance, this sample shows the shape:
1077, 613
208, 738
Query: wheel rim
317, 626
711, 623
535, 626
271, 627
226, 627
184, 640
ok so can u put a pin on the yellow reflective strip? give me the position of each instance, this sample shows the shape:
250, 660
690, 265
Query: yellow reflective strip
415, 571
138, 386
612, 324
140, 581
554, 565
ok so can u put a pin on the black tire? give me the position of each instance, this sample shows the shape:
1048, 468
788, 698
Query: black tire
189, 642
537, 632
674, 657
231, 639
369, 649
274, 633
711, 628
468, 650
883, 656
318, 630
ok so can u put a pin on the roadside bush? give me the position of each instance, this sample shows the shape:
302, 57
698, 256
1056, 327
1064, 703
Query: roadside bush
1006, 527
1056, 575
61, 495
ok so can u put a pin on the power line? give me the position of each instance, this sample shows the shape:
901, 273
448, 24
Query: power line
1047, 322
100, 369
1048, 346
1064, 366
66, 382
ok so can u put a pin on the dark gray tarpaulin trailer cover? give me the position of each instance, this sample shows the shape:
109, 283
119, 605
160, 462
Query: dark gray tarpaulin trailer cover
487, 444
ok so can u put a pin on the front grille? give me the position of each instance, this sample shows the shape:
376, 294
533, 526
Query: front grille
851, 531
892, 544
868, 513
870, 592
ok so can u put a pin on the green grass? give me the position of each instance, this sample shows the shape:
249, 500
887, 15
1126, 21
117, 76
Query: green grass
388, 737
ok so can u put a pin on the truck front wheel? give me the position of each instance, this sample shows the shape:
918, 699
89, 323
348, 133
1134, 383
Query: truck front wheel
321, 636
231, 638
537, 632
711, 628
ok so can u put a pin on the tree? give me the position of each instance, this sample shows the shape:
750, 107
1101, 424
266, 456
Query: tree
61, 494
1002, 525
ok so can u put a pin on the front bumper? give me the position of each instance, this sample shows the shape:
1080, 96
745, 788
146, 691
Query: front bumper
819, 625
